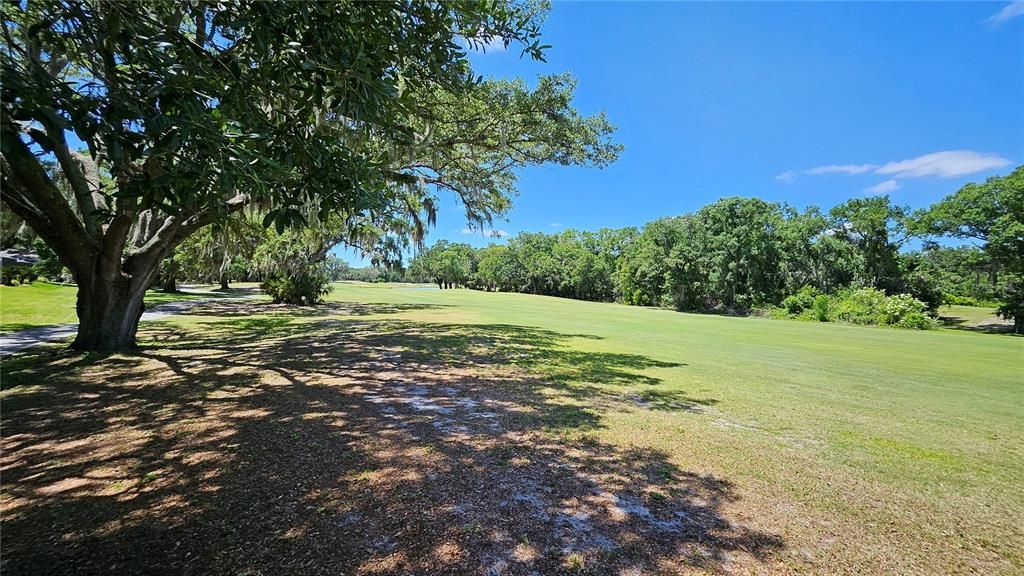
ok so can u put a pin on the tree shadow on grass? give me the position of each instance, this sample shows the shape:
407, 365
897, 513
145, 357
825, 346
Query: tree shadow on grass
355, 309
282, 445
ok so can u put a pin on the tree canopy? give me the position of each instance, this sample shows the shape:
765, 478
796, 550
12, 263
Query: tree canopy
992, 213
166, 117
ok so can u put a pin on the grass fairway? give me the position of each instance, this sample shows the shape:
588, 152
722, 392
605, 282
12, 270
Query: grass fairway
43, 304
403, 429
897, 448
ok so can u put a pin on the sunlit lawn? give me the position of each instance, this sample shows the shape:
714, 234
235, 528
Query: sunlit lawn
42, 304
978, 318
900, 448
403, 429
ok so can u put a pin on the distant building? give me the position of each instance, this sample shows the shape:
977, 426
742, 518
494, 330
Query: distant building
14, 257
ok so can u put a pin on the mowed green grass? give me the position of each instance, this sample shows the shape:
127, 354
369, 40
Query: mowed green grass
894, 450
973, 318
42, 304
864, 449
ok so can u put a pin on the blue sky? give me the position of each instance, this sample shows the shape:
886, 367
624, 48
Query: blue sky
808, 103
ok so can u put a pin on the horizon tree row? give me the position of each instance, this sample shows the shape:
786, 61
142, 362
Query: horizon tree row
740, 253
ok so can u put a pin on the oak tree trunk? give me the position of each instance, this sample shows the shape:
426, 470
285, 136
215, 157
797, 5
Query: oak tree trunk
223, 281
113, 245
170, 282
109, 310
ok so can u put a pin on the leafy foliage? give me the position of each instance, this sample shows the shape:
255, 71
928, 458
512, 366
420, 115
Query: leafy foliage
49, 265
307, 287
964, 275
804, 299
294, 103
336, 268
20, 273
992, 213
872, 306
877, 229
356, 113
867, 306
1013, 307
449, 265
221, 252
739, 253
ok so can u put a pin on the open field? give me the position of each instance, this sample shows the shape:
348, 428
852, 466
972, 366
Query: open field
402, 429
42, 304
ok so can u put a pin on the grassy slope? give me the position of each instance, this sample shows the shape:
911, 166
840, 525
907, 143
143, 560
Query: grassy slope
41, 304
908, 442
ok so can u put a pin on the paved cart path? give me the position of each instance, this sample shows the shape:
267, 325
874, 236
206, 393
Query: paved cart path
23, 339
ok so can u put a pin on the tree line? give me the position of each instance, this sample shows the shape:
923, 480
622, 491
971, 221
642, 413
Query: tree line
739, 254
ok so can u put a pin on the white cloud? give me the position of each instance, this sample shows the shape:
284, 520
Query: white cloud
946, 164
1011, 10
884, 187
787, 177
555, 224
842, 169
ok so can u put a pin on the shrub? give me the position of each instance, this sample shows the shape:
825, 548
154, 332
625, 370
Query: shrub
957, 300
744, 302
802, 300
822, 308
49, 265
304, 288
861, 306
1013, 308
916, 321
22, 273
905, 311
925, 290
899, 307
873, 307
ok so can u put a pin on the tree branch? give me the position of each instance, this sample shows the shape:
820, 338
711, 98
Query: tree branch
33, 196
84, 182
173, 231
116, 235
207, 216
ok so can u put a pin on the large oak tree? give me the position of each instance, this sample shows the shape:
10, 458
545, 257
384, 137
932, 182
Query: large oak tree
992, 214
167, 116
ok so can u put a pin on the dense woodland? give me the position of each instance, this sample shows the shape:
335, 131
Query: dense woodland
742, 254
